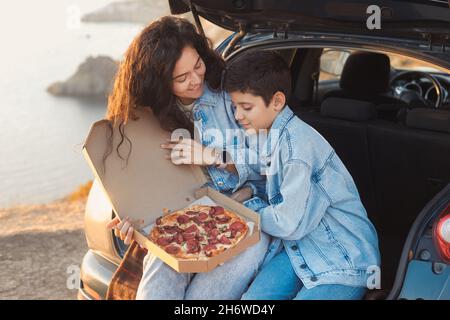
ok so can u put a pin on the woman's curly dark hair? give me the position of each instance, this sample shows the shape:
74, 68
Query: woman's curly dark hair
144, 77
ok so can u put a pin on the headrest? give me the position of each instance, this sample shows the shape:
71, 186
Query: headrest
348, 109
429, 119
366, 73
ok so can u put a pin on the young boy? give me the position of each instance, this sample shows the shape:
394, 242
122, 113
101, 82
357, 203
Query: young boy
324, 246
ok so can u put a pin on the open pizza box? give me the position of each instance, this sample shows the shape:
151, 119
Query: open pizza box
146, 184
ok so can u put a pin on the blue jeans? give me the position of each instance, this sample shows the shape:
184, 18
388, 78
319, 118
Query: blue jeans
226, 282
278, 281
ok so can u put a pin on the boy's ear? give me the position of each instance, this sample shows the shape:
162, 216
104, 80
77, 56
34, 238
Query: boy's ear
278, 101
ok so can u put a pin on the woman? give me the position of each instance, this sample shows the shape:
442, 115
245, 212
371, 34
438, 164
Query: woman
173, 70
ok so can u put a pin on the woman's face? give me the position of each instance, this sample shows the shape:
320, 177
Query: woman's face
188, 76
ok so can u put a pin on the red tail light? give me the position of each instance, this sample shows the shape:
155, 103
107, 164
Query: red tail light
441, 234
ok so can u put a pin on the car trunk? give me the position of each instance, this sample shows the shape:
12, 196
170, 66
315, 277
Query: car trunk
422, 25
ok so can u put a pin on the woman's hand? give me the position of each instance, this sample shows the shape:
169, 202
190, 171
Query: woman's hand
123, 229
189, 151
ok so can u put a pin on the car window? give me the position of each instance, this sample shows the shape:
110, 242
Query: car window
332, 62
406, 63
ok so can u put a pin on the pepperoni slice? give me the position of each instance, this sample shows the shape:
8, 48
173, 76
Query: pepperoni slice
215, 211
212, 224
164, 241
223, 219
192, 228
188, 236
209, 225
172, 249
183, 219
202, 216
197, 220
199, 237
213, 233
192, 244
237, 225
219, 210
213, 241
233, 233
158, 221
191, 213
224, 240
179, 238
172, 229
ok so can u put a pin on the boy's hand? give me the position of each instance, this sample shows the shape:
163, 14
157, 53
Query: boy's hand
189, 151
123, 229
242, 194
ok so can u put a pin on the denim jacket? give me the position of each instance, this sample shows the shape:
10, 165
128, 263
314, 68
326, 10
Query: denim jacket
213, 117
313, 208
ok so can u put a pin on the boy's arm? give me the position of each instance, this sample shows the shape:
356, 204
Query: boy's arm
287, 219
245, 164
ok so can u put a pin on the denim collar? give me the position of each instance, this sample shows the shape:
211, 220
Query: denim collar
276, 130
208, 97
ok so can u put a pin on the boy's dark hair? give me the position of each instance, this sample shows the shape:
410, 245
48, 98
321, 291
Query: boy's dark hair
261, 73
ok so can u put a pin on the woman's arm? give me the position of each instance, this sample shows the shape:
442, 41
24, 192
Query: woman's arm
189, 151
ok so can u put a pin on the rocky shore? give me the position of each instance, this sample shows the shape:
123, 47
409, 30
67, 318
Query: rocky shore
94, 78
41, 245
136, 11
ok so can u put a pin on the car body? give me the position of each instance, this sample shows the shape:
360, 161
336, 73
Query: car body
398, 155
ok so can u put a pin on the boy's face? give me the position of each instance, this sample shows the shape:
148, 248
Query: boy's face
252, 113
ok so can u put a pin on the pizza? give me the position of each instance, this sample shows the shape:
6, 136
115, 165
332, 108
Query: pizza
198, 232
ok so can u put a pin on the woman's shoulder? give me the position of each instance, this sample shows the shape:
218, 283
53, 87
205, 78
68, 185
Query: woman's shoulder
214, 96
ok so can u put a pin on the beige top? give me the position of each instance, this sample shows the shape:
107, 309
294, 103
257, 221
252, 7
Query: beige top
186, 108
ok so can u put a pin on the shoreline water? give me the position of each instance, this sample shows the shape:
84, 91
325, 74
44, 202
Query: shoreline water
42, 135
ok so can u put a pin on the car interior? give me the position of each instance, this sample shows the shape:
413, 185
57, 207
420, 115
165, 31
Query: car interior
383, 123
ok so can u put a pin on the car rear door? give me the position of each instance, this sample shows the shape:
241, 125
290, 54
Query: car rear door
424, 268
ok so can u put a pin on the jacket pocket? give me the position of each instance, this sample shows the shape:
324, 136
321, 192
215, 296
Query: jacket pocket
322, 252
276, 199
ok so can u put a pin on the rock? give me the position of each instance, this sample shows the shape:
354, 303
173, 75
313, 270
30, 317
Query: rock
137, 11
94, 78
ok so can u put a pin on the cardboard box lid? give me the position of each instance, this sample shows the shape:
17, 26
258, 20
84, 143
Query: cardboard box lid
147, 183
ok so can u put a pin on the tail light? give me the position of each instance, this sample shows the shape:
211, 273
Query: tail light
441, 235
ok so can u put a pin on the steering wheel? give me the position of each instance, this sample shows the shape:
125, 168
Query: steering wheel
402, 92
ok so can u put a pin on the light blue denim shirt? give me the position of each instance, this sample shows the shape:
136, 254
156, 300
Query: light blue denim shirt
215, 123
314, 209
